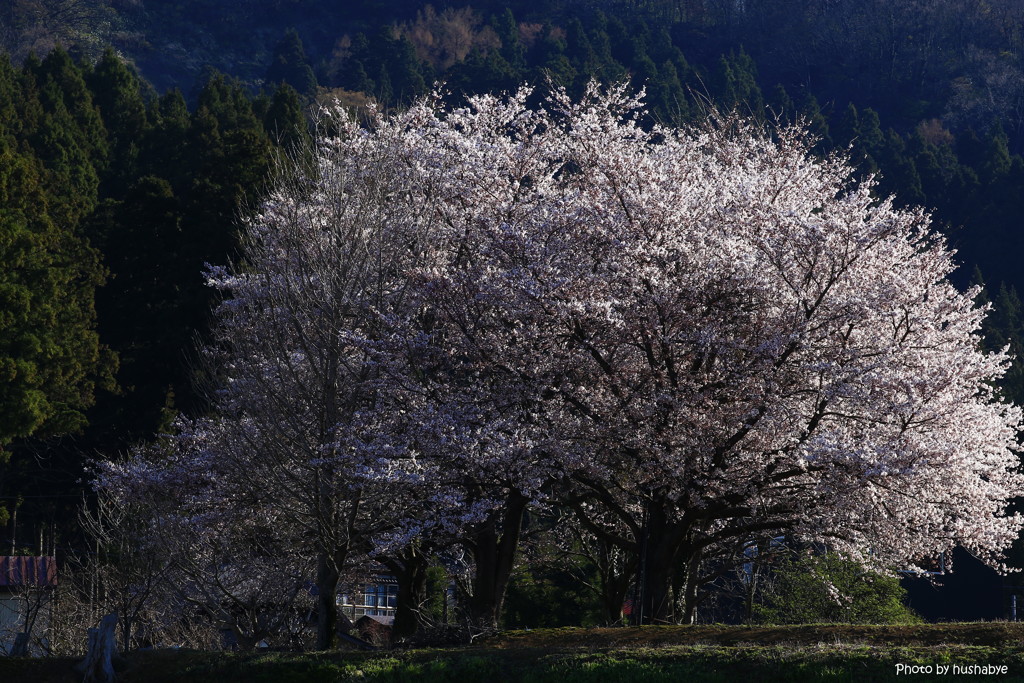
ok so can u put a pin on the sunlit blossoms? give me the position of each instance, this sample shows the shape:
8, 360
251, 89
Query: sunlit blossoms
689, 339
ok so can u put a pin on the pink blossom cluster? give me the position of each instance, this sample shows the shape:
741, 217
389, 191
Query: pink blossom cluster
686, 337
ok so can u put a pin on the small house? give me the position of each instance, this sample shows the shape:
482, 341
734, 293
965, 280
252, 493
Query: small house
378, 598
26, 587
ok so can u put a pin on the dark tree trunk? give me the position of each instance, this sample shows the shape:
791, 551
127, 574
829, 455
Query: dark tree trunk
613, 597
494, 551
691, 582
410, 568
327, 607
615, 580
658, 546
127, 626
664, 548
667, 547
657, 601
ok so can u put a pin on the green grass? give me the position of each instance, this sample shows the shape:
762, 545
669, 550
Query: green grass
726, 654
703, 663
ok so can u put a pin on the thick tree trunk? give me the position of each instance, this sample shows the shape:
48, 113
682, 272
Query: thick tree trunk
657, 605
658, 547
410, 568
327, 606
663, 542
615, 582
614, 588
494, 553
613, 597
667, 549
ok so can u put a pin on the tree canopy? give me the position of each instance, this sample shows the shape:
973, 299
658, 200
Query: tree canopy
690, 338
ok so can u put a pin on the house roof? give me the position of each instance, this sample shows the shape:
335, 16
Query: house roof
25, 571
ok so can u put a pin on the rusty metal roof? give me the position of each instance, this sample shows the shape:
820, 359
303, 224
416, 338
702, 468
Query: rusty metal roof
27, 571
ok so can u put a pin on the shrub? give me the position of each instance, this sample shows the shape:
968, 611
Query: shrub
829, 588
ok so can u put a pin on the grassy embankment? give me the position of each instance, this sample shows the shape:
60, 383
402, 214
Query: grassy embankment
732, 654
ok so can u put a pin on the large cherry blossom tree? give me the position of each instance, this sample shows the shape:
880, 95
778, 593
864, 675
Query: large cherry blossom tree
711, 335
689, 338
757, 344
